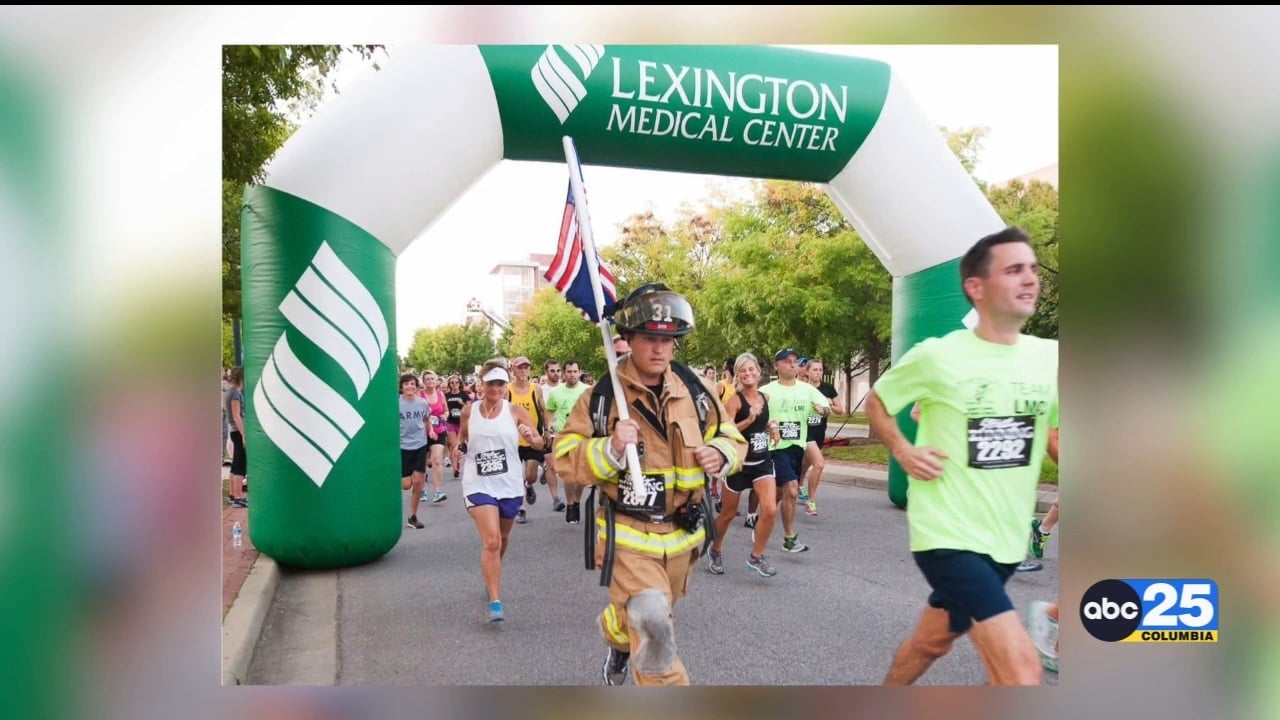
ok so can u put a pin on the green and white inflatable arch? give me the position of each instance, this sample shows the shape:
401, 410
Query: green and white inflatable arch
377, 165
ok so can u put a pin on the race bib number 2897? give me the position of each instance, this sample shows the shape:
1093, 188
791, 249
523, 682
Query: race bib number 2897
647, 494
1001, 442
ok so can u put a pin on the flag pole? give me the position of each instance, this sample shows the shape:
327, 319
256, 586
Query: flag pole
589, 247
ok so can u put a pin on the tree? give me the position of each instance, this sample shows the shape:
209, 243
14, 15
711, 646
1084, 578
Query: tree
1034, 207
450, 349
795, 273
228, 349
550, 328
267, 90
683, 257
966, 145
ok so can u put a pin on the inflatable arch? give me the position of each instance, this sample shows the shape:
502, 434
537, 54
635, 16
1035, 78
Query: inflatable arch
377, 165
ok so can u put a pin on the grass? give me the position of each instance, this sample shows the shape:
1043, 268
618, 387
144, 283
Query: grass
858, 418
862, 450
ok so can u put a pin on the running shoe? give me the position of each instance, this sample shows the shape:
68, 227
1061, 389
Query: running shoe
761, 565
1038, 539
616, 665
1044, 633
792, 544
495, 612
715, 562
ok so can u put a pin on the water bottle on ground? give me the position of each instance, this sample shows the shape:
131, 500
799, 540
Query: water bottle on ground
237, 535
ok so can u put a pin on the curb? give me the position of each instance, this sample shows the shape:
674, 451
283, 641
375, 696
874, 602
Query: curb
244, 620
879, 480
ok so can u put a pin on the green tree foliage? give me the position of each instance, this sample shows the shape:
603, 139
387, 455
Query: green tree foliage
267, 90
550, 328
795, 274
1034, 207
1031, 206
450, 349
966, 145
681, 255
228, 346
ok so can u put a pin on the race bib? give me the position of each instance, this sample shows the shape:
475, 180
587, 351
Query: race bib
789, 430
1001, 442
435, 421
491, 462
646, 495
455, 413
815, 420
759, 442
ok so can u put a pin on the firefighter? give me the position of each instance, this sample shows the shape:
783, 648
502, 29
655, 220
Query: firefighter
650, 528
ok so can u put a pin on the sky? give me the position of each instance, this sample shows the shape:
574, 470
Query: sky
515, 209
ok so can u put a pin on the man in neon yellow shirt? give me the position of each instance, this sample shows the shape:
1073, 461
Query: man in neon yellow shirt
988, 399
791, 402
560, 402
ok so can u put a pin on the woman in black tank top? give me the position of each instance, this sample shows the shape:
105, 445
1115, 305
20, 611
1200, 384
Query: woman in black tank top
757, 432
456, 400
749, 409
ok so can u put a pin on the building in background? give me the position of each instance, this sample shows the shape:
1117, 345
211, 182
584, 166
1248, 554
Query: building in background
519, 281
1046, 174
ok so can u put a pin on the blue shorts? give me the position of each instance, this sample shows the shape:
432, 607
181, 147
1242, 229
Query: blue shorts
507, 507
787, 462
968, 585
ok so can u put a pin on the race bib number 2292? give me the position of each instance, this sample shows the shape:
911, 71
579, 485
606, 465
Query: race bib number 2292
1001, 442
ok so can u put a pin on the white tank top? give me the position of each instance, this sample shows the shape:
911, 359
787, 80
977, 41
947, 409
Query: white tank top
492, 465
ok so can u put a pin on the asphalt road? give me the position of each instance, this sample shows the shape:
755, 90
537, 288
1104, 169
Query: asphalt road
831, 616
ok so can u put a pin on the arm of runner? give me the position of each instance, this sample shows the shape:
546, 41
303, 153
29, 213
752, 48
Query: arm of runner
580, 456
525, 427
464, 430
726, 438
237, 417
922, 463
821, 403
837, 406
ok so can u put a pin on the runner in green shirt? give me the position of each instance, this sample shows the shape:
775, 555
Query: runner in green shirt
988, 398
560, 402
791, 402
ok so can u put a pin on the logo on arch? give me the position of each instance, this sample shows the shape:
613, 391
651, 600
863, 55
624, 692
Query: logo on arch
561, 73
307, 415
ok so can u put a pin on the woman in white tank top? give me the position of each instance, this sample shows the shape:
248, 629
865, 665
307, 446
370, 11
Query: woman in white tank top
492, 474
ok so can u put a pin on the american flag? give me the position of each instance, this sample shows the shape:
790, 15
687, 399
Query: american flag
569, 272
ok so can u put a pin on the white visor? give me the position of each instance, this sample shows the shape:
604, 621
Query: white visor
496, 374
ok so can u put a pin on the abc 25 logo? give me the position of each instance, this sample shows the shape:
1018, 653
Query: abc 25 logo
1160, 610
